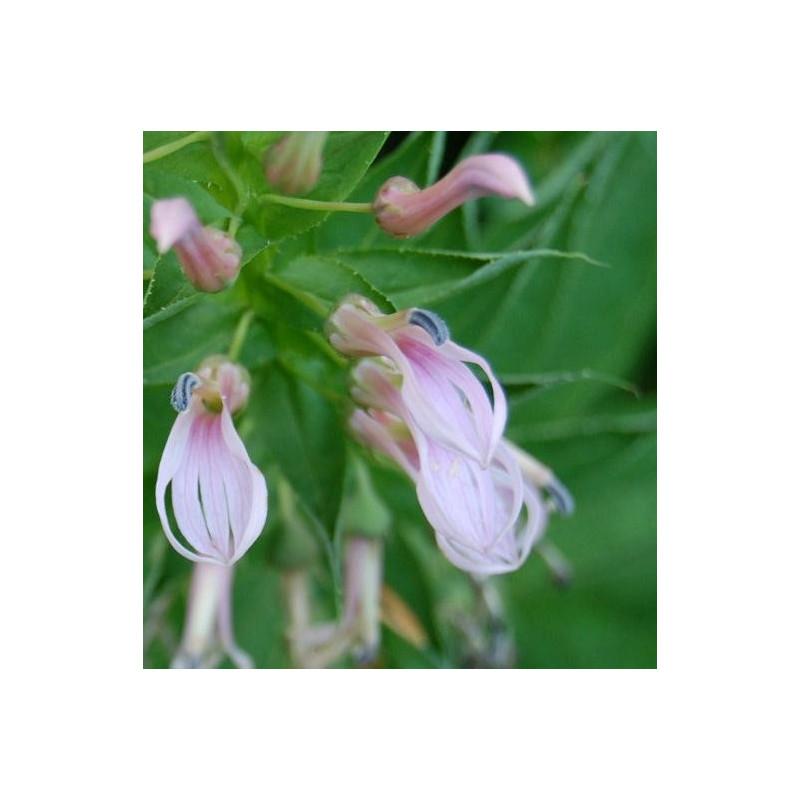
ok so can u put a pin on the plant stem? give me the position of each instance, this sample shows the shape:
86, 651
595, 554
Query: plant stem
239, 334
173, 147
315, 205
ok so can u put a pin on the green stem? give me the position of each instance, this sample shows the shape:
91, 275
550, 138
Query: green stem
315, 205
173, 147
239, 334
148, 274
218, 149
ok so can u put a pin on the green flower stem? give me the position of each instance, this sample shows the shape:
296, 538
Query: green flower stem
173, 147
218, 149
315, 205
239, 335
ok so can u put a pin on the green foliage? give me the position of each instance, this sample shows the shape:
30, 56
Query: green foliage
560, 298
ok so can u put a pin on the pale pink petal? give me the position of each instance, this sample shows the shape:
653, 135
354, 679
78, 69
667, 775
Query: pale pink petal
186, 502
171, 463
172, 220
211, 474
246, 488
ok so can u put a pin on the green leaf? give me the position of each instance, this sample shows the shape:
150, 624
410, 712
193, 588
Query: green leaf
410, 277
299, 429
178, 342
606, 618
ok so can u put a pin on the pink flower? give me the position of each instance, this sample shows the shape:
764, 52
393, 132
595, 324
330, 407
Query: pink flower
486, 519
210, 258
208, 628
219, 497
402, 209
442, 395
293, 164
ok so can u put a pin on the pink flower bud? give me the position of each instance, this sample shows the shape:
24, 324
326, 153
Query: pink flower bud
293, 164
218, 496
210, 258
403, 209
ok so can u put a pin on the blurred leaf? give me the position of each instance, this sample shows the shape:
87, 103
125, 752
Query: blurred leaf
607, 617
298, 429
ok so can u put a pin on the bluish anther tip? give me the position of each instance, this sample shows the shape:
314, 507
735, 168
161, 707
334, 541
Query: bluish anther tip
182, 391
432, 323
560, 496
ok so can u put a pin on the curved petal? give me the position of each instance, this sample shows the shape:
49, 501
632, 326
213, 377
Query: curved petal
213, 469
177, 451
476, 512
246, 490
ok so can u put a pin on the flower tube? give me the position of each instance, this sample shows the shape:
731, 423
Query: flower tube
294, 163
208, 628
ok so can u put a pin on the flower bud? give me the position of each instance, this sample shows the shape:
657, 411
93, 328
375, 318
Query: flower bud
209, 258
363, 577
293, 163
402, 209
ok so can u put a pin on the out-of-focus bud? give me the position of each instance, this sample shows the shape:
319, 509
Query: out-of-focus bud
363, 511
363, 576
402, 209
208, 629
210, 258
293, 164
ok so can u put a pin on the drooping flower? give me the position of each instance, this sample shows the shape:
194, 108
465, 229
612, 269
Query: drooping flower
208, 627
442, 395
293, 164
209, 258
402, 209
421, 406
486, 519
218, 496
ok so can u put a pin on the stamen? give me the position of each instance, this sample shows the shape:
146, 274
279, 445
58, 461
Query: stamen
430, 322
182, 392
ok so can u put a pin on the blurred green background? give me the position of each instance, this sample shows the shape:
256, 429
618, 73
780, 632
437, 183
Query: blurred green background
560, 298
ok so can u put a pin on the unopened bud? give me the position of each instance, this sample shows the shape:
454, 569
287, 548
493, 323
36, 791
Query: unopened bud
293, 164
209, 258
402, 209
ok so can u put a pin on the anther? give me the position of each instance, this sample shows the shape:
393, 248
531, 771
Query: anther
560, 496
182, 392
432, 323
